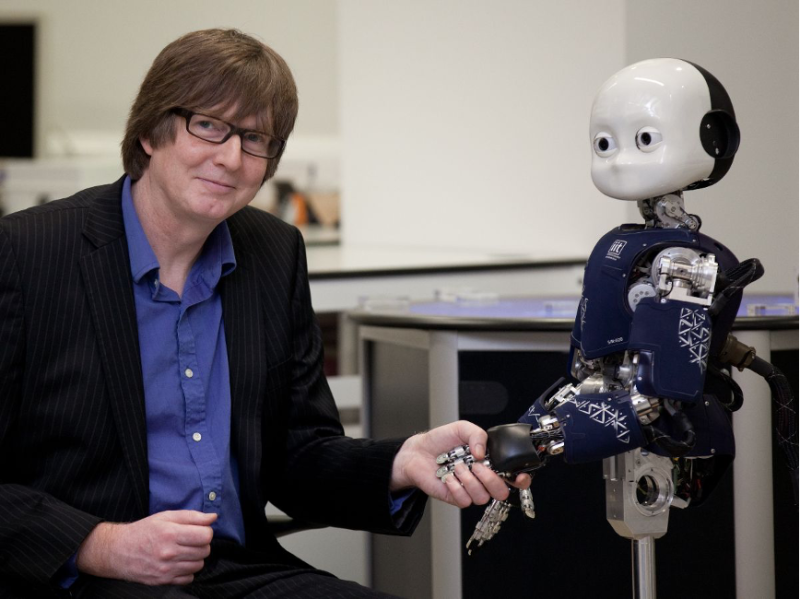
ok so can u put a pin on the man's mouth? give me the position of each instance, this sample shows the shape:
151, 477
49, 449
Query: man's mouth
216, 184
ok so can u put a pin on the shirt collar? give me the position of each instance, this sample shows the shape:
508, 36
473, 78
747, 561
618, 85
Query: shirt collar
216, 260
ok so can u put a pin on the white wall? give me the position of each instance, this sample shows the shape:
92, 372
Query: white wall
465, 123
95, 53
751, 47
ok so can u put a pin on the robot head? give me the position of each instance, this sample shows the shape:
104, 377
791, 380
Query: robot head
661, 126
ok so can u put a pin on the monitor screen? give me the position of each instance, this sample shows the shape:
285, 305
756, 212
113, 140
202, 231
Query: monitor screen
18, 48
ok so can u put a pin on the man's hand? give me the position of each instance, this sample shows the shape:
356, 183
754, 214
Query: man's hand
415, 466
165, 548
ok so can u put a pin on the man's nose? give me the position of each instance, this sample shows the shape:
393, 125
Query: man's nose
229, 154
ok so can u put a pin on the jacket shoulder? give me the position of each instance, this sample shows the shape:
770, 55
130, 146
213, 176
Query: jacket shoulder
81, 200
252, 227
62, 221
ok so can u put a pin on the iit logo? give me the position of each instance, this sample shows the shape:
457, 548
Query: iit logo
615, 251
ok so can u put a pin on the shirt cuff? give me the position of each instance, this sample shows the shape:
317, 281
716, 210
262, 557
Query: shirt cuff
68, 573
401, 504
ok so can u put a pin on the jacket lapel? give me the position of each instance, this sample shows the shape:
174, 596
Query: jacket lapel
106, 273
243, 315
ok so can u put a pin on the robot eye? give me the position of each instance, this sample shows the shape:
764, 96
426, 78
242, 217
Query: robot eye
648, 139
604, 144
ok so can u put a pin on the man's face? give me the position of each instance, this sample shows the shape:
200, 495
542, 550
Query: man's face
199, 181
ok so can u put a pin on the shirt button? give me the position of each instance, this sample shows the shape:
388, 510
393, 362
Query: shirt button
212, 496
197, 436
188, 372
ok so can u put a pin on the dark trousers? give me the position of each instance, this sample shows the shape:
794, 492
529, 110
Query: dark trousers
232, 572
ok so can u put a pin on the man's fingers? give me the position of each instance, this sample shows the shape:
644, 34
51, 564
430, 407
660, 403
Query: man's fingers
474, 436
194, 536
523, 481
193, 528
191, 552
474, 487
188, 517
458, 496
494, 485
186, 572
183, 580
189, 567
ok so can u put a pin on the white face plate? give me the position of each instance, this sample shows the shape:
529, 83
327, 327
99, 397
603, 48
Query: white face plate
645, 130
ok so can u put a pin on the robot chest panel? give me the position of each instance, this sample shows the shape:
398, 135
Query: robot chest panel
603, 322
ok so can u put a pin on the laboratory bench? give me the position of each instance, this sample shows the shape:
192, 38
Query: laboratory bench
486, 359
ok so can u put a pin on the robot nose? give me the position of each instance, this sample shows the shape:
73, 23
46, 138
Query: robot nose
624, 158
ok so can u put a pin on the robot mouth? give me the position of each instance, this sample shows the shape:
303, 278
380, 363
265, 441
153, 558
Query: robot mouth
622, 183
633, 181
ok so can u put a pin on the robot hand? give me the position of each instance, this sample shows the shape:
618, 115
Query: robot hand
495, 514
510, 451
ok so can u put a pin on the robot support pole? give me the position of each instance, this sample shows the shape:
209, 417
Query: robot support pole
644, 568
639, 494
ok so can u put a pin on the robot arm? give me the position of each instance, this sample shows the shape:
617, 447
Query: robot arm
612, 408
682, 274
620, 396
670, 343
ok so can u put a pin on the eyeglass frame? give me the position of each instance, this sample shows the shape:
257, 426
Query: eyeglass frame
234, 130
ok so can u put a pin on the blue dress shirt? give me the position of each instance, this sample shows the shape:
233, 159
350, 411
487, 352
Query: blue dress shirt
186, 386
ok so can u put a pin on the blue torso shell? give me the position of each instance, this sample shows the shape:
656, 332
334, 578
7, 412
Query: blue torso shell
603, 322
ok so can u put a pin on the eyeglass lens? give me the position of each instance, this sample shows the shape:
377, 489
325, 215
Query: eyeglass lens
215, 130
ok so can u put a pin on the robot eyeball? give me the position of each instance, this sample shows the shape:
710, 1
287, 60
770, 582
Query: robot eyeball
648, 139
661, 126
604, 144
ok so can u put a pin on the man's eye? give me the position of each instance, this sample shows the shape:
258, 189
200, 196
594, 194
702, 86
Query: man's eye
208, 125
604, 144
255, 137
648, 138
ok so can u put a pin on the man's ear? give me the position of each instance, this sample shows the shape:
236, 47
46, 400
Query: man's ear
148, 149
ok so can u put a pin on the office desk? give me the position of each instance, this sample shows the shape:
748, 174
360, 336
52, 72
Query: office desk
341, 276
434, 363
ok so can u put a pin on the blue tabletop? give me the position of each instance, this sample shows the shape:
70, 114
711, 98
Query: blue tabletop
486, 311
566, 307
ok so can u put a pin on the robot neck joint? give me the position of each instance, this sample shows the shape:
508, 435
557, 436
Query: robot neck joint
667, 212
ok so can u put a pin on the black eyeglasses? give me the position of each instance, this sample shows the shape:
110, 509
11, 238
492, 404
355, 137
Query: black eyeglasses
216, 131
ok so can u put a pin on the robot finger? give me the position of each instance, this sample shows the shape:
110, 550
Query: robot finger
457, 453
488, 526
449, 460
526, 503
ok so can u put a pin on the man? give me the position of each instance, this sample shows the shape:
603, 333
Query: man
161, 367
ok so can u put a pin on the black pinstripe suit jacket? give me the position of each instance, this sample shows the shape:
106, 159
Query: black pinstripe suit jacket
73, 447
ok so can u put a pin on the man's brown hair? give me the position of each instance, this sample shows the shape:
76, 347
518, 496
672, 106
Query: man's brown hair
212, 68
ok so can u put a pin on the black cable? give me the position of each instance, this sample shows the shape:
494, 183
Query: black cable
736, 390
674, 447
785, 415
735, 279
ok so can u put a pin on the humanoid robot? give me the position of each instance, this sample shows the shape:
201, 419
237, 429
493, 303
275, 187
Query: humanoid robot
651, 335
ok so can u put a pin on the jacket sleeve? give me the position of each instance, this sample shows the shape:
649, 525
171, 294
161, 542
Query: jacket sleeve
327, 477
38, 533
